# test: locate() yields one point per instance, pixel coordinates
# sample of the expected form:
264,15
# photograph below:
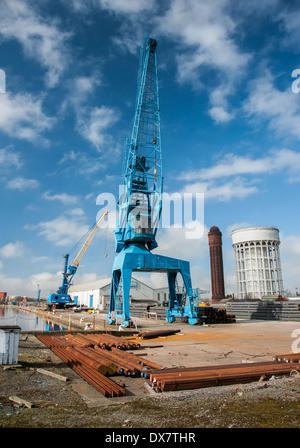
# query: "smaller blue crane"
62,299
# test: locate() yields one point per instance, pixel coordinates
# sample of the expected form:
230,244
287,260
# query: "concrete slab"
199,345
242,342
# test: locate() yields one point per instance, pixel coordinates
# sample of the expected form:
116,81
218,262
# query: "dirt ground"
75,404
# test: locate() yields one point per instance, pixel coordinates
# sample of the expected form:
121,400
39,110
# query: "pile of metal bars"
208,376
95,360
89,368
103,340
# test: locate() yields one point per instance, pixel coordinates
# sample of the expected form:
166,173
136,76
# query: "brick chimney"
216,264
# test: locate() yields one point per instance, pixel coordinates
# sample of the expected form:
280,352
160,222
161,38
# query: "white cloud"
219,103
39,259
290,20
220,115
129,41
213,181
208,28
121,6
62,197
48,282
69,156
94,125
9,158
22,117
235,226
76,212
281,160
19,183
40,38
237,188
13,250
65,230
280,108
205,33
173,242
291,244
80,89
83,164
116,6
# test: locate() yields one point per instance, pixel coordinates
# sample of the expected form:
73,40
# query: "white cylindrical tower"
257,259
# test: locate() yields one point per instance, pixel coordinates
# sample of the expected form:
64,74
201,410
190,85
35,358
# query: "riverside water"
26,320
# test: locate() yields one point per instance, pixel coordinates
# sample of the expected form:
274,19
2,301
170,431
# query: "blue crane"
140,205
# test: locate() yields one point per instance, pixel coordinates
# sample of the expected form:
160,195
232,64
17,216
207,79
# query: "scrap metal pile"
96,357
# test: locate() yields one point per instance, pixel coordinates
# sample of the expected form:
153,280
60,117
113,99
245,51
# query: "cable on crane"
84,236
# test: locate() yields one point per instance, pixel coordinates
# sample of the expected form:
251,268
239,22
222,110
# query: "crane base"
137,258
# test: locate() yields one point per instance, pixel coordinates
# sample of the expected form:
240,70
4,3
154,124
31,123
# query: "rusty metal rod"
120,361
86,359
139,360
111,367
156,333
104,381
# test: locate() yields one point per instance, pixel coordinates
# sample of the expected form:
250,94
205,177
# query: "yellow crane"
61,298
87,242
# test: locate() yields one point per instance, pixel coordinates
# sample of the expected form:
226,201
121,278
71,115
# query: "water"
26,320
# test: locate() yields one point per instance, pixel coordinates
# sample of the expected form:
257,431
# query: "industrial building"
97,294
257,259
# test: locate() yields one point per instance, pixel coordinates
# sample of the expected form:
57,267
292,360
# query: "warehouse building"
96,294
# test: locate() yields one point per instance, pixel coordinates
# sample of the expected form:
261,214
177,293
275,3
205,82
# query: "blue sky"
229,123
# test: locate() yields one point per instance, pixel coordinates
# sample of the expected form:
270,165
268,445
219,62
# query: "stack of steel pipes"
89,366
199,377
290,357
127,363
93,363
104,340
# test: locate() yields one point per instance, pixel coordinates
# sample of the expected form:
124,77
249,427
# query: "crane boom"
88,241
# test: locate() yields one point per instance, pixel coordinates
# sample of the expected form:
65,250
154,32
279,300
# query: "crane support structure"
140,206
62,298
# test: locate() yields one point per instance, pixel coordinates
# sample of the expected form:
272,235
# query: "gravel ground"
74,404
